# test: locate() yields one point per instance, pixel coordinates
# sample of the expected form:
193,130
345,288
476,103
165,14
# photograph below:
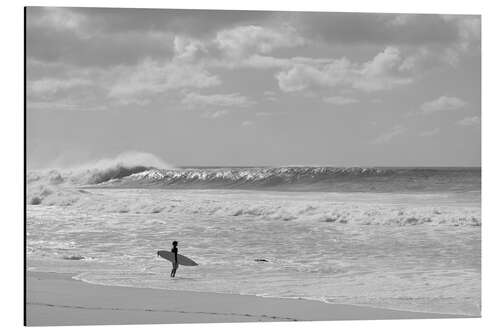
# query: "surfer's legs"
174,269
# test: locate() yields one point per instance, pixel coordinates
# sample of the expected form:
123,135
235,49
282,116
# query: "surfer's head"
174,243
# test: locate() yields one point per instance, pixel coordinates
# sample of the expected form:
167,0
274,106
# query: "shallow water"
413,251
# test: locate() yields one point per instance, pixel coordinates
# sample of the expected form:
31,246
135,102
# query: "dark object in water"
35,201
263,260
74,258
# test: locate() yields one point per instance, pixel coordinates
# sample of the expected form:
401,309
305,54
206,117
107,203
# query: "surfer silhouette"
175,264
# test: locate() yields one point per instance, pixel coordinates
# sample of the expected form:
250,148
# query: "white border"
11,200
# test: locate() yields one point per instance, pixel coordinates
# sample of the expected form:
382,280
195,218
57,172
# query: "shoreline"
58,299
444,314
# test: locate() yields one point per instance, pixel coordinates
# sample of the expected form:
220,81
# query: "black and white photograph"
224,166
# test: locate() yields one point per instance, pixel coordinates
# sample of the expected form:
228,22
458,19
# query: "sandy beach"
57,299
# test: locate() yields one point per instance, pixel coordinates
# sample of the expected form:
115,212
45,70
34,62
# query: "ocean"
398,238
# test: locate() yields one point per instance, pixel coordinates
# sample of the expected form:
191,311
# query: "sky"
243,88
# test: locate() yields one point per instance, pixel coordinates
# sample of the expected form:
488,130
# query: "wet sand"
57,299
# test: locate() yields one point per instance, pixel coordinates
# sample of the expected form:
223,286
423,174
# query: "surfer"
175,258
175,264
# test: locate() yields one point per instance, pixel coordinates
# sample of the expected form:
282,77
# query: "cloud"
252,39
375,29
468,29
400,20
66,104
302,76
57,18
199,101
68,89
215,114
469,121
429,40
143,54
153,77
117,85
430,133
73,37
443,103
189,49
335,28
127,36
395,131
122,36
383,72
266,62
247,123
386,61
196,23
50,86
340,100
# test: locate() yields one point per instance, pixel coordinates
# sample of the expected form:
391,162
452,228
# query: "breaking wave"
333,179
141,170
65,182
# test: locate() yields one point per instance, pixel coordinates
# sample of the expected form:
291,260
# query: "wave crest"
354,179
62,182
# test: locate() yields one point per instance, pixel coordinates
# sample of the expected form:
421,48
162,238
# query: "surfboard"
182,260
